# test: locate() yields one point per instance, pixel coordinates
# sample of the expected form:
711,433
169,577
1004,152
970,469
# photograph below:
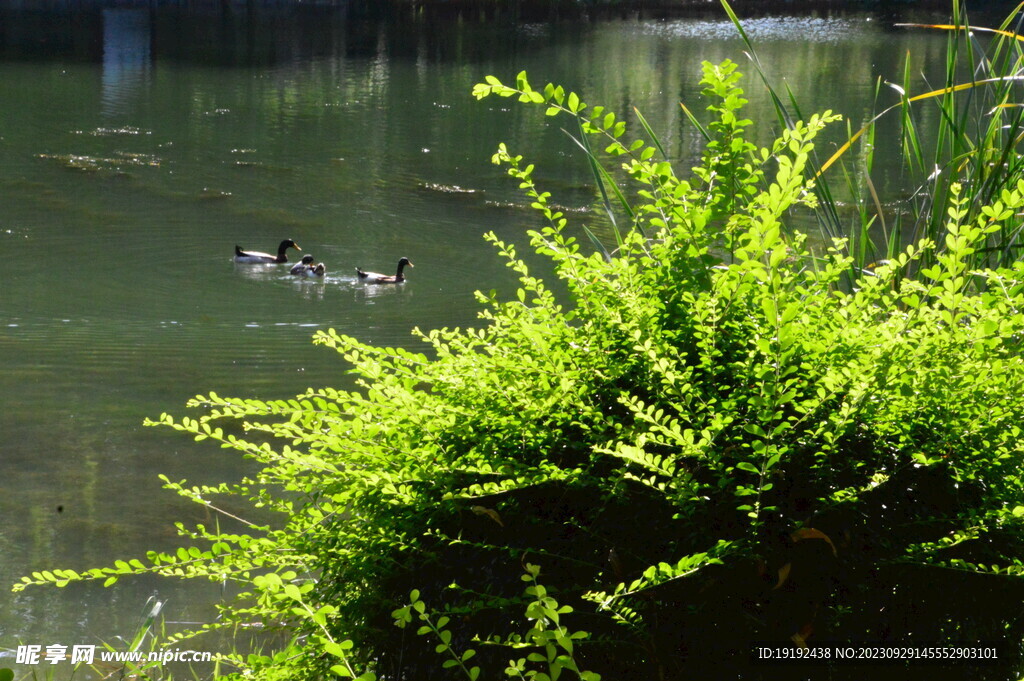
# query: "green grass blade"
693,119
650,133
599,179
780,110
604,180
598,243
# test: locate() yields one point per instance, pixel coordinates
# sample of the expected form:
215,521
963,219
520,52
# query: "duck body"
306,268
377,278
258,257
316,271
300,267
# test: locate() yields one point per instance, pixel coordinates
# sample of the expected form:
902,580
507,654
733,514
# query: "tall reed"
971,156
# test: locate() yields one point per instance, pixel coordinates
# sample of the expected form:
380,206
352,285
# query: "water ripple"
762,29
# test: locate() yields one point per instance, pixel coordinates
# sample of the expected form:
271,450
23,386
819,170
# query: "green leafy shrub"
713,438
553,644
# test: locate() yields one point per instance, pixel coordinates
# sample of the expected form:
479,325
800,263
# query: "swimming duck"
375,278
303,265
258,257
317,270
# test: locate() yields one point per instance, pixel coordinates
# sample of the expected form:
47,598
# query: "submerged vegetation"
716,436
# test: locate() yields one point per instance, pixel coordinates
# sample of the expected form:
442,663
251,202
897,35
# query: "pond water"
138,147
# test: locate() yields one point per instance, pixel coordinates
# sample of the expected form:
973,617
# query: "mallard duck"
375,278
258,257
303,265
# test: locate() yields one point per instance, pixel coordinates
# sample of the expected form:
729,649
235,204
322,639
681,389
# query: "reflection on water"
765,29
139,146
126,56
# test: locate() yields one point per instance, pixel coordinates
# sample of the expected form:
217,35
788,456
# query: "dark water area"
269,32
139,145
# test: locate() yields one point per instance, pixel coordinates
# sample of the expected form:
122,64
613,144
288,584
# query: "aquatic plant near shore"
970,158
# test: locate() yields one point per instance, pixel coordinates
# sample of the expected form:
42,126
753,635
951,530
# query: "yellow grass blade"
951,27
916,98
